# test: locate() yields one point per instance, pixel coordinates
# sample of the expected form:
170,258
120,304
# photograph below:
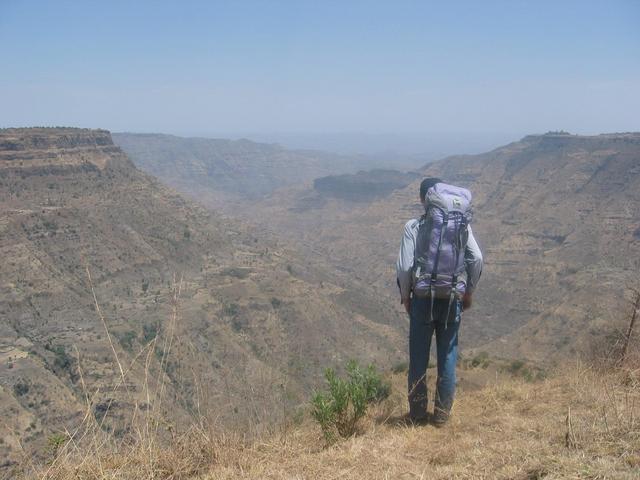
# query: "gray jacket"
404,265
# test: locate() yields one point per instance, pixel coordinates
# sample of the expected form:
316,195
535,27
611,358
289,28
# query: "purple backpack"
439,268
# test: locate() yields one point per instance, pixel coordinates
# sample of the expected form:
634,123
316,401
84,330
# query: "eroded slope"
252,326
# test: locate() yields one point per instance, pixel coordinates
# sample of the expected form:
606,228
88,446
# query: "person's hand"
467,300
407,304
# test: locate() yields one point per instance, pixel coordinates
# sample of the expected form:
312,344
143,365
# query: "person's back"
438,268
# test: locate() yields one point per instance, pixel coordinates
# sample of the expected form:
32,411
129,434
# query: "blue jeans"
420,332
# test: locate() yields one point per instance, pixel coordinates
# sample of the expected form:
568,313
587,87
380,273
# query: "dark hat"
426,184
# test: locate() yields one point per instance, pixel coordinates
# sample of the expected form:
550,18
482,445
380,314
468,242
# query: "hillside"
191,304
220,172
556,215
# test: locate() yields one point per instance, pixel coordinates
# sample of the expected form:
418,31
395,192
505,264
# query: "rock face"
48,150
251,329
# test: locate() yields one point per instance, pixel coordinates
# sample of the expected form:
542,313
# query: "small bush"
516,366
50,225
56,441
239,323
236,272
529,373
149,332
230,309
21,388
62,360
339,409
480,360
276,302
126,339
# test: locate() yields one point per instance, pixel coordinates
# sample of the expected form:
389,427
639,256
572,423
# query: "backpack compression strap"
454,280
434,272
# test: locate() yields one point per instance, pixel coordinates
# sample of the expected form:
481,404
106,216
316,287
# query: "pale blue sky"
267,67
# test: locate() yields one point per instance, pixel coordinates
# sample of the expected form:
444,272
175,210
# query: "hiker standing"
438,268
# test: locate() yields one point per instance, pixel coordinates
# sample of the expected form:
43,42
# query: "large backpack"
439,270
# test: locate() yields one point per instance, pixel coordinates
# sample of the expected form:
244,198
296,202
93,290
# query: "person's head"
425,185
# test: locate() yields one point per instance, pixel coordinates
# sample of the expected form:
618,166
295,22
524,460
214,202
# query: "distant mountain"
558,218
220,172
252,329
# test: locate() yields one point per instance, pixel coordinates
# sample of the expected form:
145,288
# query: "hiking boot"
418,411
440,417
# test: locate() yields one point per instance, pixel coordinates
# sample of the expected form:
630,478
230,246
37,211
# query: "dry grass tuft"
187,456
580,423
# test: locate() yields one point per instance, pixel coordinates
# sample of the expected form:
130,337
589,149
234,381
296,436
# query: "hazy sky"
196,67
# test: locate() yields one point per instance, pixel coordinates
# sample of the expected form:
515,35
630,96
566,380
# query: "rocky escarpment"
21,139
42,151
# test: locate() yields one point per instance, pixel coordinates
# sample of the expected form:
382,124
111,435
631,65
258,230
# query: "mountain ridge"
223,173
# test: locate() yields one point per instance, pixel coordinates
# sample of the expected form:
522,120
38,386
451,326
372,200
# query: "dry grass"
508,430
581,423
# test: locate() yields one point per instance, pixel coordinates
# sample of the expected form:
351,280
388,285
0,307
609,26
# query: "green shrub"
529,373
230,309
480,360
50,225
149,332
126,339
21,387
239,323
62,360
236,272
339,409
276,302
55,441
516,366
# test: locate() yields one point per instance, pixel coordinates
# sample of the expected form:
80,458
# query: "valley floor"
580,424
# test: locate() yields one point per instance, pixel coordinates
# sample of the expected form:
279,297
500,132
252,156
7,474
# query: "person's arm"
473,263
404,265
